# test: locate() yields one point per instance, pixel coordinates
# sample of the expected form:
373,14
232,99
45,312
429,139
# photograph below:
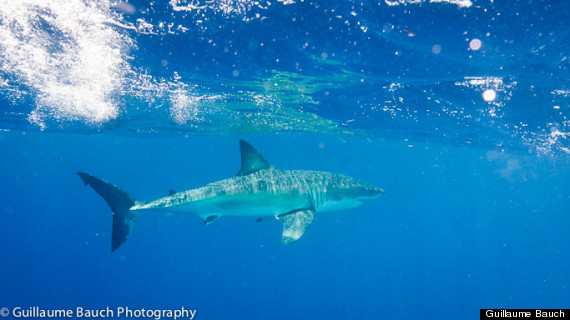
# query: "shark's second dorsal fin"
251,160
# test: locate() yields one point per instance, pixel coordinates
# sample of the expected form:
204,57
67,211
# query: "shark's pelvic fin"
120,203
251,160
295,225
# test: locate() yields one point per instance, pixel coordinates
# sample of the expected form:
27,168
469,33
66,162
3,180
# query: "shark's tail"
120,203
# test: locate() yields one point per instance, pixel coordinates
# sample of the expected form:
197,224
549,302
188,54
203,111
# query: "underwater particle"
436,49
475,44
164,63
387,28
235,73
324,55
556,107
410,33
489,95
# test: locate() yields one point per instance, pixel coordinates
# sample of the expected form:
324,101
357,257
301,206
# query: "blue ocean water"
457,108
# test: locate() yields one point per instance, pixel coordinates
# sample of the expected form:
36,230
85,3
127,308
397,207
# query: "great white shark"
258,190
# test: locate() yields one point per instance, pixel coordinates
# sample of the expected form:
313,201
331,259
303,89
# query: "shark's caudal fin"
120,203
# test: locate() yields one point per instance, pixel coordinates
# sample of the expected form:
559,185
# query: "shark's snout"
367,191
375,192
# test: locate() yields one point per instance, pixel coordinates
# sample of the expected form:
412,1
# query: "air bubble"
475,44
489,95
436,49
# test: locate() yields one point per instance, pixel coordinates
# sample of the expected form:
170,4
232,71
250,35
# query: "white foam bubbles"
459,3
187,107
243,9
126,7
184,107
67,54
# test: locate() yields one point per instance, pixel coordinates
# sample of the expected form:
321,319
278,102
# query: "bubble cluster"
73,66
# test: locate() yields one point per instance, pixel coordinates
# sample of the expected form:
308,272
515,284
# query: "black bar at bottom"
525,314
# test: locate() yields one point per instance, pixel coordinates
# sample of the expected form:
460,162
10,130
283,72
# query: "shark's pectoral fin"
295,225
209,218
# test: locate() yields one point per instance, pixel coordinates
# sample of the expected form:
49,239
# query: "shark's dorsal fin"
295,224
251,160
171,192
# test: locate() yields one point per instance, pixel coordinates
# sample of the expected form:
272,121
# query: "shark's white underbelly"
244,205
